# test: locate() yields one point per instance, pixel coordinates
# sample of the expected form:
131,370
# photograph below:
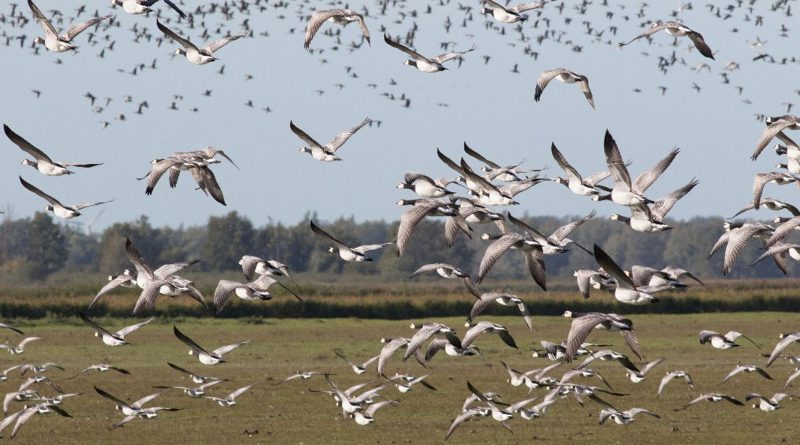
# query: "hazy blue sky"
488,106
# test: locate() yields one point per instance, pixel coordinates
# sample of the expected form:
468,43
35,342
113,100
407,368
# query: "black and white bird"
198,56
676,29
345,252
422,63
327,152
55,207
42,162
60,43
206,357
565,76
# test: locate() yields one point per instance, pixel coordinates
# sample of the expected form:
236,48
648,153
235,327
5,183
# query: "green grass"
289,413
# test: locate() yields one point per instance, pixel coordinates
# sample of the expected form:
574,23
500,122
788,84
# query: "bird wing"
736,241
188,341
409,221
534,260
370,411
342,137
522,7
222,350
479,157
587,92
496,250
78,28
26,146
648,177
442,58
327,236
735,371
249,264
157,170
22,418
303,135
369,247
108,287
149,296
211,47
139,403
238,392
579,331
652,30
85,205
171,34
176,8
94,325
612,268
781,345
544,79
168,270
769,132
700,44
110,397
661,207
615,162
564,231
53,202
784,229
316,21
42,20
405,49
633,343
208,181
564,164
132,328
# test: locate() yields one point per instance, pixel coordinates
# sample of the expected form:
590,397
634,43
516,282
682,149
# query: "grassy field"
289,413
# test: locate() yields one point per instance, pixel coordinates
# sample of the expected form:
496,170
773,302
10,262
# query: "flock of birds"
468,199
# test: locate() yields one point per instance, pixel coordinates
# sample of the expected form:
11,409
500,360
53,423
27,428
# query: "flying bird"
340,17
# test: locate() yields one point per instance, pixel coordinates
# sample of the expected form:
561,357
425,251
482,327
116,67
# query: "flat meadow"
275,411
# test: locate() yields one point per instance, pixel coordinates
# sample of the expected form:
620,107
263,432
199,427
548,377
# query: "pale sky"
488,106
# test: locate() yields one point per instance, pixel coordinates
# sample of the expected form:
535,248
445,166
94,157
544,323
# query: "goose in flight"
27,412
574,181
623,417
775,127
467,414
358,368
327,152
735,238
113,338
493,170
55,207
102,367
626,292
197,166
340,17
20,348
196,378
422,63
504,299
420,209
762,179
713,398
425,332
638,377
128,409
746,368
42,162
230,399
566,76
345,252
195,392
137,7
609,355
425,186
253,265
726,341
650,219
772,204
676,29
509,15
765,404
675,374
588,279
198,56
367,416
59,43
489,328
626,192
584,323
258,289
206,357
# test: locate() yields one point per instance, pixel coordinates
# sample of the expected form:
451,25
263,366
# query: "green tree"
46,251
229,237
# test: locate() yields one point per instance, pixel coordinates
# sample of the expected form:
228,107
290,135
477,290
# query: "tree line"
33,248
